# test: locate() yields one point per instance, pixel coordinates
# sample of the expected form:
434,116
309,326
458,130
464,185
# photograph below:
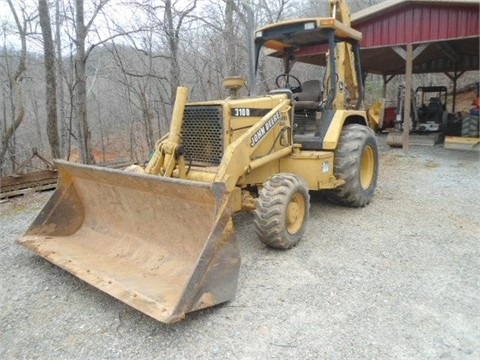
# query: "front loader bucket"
163,246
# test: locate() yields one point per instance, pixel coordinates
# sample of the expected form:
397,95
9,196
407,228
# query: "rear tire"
282,210
470,126
355,162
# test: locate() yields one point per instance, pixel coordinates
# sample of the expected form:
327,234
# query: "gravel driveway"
398,279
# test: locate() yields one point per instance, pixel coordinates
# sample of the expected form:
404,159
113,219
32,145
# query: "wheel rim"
295,213
367,167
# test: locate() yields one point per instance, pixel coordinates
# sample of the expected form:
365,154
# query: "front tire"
355,162
282,210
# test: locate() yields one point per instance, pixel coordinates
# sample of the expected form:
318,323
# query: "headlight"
309,26
259,34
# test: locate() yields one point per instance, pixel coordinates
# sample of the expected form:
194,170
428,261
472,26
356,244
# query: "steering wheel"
283,81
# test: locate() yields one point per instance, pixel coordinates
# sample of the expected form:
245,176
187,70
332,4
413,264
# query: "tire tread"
270,211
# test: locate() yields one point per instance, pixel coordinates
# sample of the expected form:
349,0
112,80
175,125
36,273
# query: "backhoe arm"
349,90
339,10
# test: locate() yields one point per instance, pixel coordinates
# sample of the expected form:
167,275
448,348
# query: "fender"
333,124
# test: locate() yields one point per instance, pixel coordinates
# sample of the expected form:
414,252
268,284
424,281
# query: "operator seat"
310,97
434,107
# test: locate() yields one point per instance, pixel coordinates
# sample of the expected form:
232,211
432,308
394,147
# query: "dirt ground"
398,279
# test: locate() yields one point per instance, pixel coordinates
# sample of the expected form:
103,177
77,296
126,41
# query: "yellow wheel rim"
367,167
295,213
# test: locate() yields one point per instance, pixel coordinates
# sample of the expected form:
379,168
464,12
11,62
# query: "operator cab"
307,99
314,41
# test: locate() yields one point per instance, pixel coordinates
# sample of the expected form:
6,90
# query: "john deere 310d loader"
161,239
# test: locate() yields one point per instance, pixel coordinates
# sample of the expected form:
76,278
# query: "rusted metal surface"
163,246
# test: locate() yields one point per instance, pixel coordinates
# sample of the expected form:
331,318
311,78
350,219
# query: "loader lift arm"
168,153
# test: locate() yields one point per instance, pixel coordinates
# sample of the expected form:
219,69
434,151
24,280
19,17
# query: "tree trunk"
64,132
50,79
172,38
38,143
147,116
230,40
81,85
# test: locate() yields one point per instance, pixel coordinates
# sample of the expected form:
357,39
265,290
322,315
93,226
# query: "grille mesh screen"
202,134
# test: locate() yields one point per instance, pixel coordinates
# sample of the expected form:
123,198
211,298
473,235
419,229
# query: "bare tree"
15,81
50,78
221,45
81,56
171,16
173,21
82,53
59,77
273,11
138,85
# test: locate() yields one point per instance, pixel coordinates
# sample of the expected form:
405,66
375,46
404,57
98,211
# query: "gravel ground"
398,279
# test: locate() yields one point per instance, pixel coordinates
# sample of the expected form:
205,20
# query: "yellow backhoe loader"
161,238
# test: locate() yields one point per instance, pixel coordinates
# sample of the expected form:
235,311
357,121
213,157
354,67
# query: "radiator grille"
202,134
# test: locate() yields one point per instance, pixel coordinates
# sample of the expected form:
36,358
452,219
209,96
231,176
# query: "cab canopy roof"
285,37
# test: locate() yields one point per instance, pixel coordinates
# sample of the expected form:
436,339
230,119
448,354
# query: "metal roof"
419,23
389,5
448,29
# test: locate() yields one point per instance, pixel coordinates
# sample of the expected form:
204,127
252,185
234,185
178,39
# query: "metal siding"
472,22
406,35
453,23
400,25
425,23
436,29
392,33
445,18
416,28
462,18
410,25
391,5
420,24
